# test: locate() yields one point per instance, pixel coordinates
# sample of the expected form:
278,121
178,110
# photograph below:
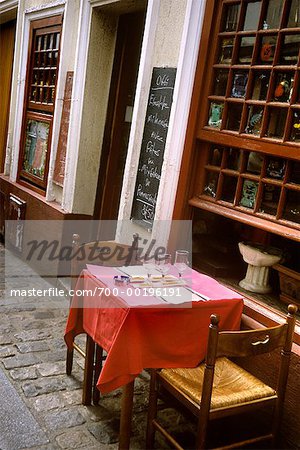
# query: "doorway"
118,119
7,40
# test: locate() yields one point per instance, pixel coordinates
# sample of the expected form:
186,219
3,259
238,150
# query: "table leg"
126,415
88,371
97,371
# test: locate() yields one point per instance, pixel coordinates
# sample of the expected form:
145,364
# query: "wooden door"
7,39
118,121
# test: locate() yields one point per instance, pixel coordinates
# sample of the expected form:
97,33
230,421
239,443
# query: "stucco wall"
67,63
32,4
99,68
169,33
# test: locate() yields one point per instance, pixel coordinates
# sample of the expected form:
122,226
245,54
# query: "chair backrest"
249,343
102,253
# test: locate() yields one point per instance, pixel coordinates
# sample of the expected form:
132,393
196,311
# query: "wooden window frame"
39,111
206,134
190,180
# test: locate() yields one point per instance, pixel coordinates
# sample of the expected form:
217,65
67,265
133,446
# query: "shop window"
254,182
40,90
249,118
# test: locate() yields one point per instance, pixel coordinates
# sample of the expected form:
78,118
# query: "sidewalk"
40,406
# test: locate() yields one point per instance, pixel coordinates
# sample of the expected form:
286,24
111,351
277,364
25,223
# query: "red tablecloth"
161,336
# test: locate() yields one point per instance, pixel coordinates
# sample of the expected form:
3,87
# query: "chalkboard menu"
153,145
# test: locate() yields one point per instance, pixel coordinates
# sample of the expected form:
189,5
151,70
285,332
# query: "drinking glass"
163,263
181,261
149,266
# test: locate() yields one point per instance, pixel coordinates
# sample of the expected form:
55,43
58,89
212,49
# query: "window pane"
295,133
234,115
295,173
249,193
255,162
215,156
267,50
36,60
273,16
239,84
34,161
290,49
252,16
246,50
215,114
225,51
292,208
233,159
230,19
52,79
294,15
276,123
255,116
284,82
43,78
270,199
229,188
260,85
275,168
220,84
211,184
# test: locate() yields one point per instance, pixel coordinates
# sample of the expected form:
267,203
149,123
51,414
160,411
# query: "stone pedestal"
259,261
256,280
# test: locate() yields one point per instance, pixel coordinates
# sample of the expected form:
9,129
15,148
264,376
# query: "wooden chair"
101,253
219,387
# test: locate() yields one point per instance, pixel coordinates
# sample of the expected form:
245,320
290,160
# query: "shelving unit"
247,154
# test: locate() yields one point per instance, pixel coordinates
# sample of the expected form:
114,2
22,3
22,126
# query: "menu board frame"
153,145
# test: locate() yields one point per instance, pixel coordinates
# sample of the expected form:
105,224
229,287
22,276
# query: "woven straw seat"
232,384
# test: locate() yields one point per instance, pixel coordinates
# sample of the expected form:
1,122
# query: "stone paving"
32,360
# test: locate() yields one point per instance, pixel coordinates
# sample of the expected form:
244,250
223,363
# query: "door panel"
7,39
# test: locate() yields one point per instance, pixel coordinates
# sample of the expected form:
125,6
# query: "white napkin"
134,271
179,295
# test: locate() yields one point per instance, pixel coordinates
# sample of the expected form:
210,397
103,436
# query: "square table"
144,331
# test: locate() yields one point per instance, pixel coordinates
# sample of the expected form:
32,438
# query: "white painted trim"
21,77
80,67
8,5
46,7
27,18
179,117
63,64
96,3
139,113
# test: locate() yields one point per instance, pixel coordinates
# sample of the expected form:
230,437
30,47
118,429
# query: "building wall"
176,26
28,11
99,69
87,47
166,37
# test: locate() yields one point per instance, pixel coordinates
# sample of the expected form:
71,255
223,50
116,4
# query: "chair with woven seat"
219,387
101,253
